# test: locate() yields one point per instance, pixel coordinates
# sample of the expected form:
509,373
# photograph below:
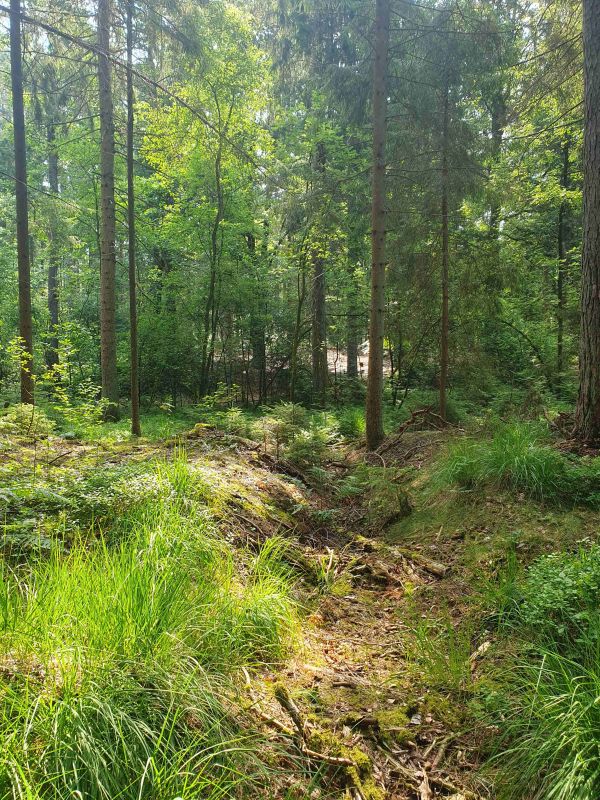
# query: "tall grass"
549,720
116,658
519,458
550,747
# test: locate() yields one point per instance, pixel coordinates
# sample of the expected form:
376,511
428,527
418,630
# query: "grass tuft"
118,656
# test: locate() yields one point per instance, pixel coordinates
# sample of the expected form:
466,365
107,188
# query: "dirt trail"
354,680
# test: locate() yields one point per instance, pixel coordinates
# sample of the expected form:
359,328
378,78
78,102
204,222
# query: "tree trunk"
562,264
319,330
320,371
445,255
374,406
296,337
257,322
133,333
352,347
53,252
587,416
22,212
210,309
498,121
108,336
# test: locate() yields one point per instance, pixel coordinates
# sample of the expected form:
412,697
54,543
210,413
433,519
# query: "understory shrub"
561,596
381,489
26,420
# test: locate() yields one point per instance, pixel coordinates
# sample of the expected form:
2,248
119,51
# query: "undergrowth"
546,701
119,653
519,458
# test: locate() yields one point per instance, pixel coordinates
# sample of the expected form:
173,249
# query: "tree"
587,415
133,332
50,85
445,248
374,407
22,213
108,336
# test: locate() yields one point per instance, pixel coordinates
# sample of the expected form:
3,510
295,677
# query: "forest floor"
381,693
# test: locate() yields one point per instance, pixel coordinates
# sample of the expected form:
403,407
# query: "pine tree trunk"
133,332
108,336
53,252
352,347
498,121
587,416
319,331
22,212
562,245
320,370
445,256
374,406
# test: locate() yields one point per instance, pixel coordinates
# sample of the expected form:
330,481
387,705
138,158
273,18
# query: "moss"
394,725
361,775
341,586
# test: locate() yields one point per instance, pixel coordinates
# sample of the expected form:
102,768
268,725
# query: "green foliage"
549,717
25,421
560,596
117,655
549,728
501,593
382,491
438,653
351,422
518,458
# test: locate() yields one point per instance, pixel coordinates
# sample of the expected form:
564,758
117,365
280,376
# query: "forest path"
356,677
356,681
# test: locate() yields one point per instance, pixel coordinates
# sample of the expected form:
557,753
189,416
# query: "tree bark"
133,332
21,202
53,252
352,348
563,248
319,330
498,121
374,405
210,309
320,371
587,415
108,336
445,254
257,320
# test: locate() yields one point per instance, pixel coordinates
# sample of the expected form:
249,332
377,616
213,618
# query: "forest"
299,399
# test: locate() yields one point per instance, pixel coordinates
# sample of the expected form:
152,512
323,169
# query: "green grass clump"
519,458
550,744
117,657
516,458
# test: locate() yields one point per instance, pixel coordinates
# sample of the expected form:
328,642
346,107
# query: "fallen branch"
424,788
59,456
285,700
420,412
434,567
299,735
